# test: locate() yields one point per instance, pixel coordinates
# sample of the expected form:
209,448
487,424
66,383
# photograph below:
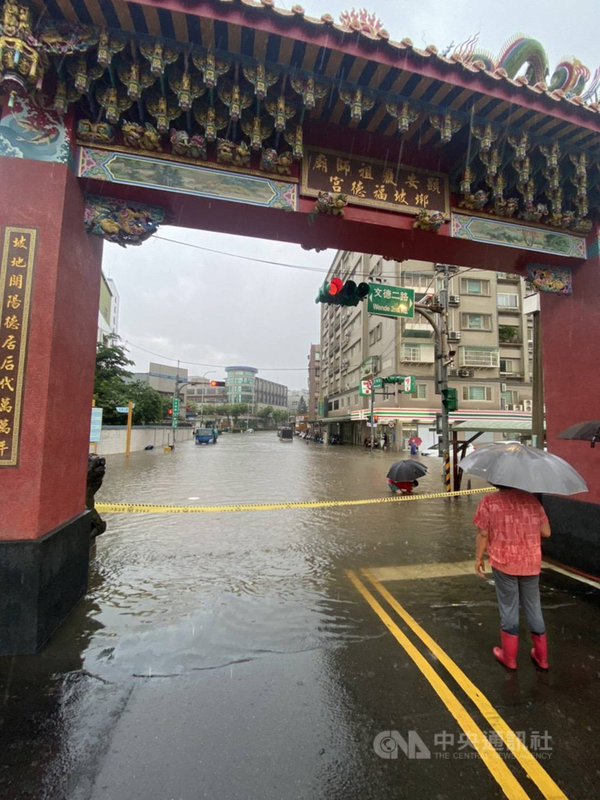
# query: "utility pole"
372,409
443,357
443,361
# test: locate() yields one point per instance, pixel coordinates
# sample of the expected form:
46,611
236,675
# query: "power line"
245,258
216,366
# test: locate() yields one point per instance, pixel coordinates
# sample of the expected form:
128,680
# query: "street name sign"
123,409
96,424
390,301
377,383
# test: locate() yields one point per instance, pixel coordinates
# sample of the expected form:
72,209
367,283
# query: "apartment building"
314,381
487,332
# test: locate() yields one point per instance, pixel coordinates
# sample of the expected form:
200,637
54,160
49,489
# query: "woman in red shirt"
511,524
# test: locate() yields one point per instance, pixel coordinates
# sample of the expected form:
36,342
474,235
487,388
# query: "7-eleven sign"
366,387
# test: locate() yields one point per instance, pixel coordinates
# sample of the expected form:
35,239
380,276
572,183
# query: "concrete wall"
112,439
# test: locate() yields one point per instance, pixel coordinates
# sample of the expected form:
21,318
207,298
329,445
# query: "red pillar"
570,337
44,529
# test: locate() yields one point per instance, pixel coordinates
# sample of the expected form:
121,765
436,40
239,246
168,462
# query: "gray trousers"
510,589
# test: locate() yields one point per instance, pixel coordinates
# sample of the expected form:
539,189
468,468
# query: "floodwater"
189,591
227,655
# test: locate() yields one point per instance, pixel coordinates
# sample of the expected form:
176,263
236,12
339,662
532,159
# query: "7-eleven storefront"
401,423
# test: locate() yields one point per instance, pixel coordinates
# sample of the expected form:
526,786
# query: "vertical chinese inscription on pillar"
16,274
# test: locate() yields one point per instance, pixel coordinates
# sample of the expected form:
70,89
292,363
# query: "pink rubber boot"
539,652
507,654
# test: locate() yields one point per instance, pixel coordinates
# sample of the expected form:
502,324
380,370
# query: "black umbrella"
587,431
406,470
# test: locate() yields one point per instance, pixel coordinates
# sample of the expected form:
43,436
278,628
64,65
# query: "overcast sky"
210,310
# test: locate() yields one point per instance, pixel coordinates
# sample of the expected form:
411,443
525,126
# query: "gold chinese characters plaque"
16,276
368,182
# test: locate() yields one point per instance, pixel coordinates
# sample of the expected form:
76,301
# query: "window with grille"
478,357
417,353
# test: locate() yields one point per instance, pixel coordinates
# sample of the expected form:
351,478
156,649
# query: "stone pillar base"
41,579
574,525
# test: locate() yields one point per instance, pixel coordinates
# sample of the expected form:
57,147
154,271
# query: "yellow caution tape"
148,508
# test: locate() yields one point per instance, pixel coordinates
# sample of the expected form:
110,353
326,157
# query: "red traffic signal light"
217,383
170,412
338,293
329,290
335,286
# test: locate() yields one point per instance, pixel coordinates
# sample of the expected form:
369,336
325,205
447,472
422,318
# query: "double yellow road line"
490,757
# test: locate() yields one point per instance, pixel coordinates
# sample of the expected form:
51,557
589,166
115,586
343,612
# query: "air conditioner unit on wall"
453,300
453,336
527,405
452,373
466,373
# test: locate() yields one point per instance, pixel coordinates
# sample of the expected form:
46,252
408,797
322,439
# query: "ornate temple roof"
456,113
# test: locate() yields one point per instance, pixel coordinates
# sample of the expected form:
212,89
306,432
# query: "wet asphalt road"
229,655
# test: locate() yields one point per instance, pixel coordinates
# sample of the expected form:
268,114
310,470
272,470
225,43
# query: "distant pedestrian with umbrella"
414,443
510,526
402,475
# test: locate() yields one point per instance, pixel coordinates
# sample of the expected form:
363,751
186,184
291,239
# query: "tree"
111,362
302,407
281,415
112,389
148,403
236,410
265,414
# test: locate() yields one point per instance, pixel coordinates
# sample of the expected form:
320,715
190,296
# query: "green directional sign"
407,381
175,405
377,383
390,301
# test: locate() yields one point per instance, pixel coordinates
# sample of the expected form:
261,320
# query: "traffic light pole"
442,358
372,405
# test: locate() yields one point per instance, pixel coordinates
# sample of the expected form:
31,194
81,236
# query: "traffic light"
217,383
170,412
329,291
337,293
450,399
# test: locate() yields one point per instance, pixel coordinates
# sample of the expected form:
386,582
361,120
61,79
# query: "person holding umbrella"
402,475
510,526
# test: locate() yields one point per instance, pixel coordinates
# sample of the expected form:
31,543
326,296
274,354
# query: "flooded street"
231,655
